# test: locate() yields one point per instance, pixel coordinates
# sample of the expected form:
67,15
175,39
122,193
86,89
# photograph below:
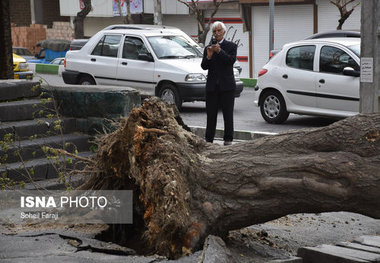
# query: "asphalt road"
247,117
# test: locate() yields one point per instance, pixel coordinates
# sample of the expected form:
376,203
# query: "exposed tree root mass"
186,189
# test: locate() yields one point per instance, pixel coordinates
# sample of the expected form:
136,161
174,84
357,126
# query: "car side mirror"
348,71
146,57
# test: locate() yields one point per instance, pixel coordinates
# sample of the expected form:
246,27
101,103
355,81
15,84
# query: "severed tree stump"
186,189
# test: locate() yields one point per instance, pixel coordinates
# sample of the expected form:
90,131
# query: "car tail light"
64,63
262,72
270,54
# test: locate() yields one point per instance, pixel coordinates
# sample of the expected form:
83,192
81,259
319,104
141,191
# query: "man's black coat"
220,67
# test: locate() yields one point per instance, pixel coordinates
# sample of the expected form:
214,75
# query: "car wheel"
169,94
86,80
273,107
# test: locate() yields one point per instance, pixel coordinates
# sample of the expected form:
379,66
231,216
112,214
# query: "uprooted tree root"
150,154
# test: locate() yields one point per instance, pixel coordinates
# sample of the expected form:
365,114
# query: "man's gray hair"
217,23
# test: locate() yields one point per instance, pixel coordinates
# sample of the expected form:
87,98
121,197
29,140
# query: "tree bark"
157,13
79,19
127,19
188,189
6,58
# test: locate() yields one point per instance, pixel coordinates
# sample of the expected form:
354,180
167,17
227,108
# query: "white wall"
100,8
103,8
170,7
92,25
187,23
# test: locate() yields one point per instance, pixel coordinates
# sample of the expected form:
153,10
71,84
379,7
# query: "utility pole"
157,13
32,12
370,57
271,25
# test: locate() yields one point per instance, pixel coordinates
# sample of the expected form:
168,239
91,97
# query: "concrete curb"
238,135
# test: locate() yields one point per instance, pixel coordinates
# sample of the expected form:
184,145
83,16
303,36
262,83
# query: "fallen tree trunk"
188,189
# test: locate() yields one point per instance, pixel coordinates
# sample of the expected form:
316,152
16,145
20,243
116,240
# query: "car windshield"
171,47
355,49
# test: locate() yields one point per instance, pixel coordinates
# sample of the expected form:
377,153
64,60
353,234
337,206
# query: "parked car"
327,34
58,61
77,44
20,68
23,52
312,77
161,62
334,34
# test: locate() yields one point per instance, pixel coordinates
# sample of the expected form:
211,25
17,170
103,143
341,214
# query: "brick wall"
60,30
28,36
53,25
25,36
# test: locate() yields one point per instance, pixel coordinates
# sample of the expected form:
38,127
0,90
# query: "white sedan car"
311,77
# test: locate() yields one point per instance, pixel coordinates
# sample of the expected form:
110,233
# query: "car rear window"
301,57
107,46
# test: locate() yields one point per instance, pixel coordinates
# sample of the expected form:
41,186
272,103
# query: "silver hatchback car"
311,77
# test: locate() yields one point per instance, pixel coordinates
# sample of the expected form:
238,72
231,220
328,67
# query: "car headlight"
195,77
23,66
236,73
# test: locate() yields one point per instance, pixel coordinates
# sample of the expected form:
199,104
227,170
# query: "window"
107,46
334,60
172,47
301,57
133,47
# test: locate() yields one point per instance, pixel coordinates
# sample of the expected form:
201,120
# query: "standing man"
219,58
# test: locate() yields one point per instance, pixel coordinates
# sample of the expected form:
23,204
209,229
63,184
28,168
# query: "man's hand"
217,48
211,49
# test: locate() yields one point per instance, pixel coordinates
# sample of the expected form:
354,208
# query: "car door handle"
322,81
124,63
285,76
93,59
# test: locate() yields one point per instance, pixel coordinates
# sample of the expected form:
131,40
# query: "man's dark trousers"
224,100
